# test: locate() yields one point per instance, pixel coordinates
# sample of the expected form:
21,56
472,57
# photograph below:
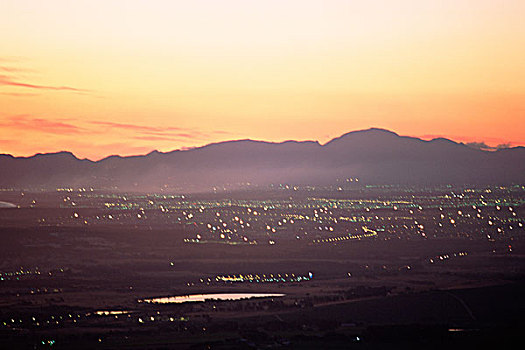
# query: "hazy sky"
106,77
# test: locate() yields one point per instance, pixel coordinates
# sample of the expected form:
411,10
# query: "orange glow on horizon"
127,77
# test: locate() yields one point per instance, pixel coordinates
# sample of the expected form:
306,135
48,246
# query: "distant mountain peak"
444,140
371,132
60,154
378,130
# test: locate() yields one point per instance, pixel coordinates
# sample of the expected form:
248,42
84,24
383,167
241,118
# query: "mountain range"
375,156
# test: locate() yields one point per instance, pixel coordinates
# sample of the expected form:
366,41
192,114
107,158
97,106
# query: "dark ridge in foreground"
375,156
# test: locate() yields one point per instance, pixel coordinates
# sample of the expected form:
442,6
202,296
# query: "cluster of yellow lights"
355,218
444,257
110,312
264,278
345,238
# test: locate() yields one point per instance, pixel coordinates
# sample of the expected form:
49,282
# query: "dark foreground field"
460,318
70,286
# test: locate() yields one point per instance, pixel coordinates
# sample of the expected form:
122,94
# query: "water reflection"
203,297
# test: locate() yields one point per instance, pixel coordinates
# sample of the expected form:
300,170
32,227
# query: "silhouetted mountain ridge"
373,155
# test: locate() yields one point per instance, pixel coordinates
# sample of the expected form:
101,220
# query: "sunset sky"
127,77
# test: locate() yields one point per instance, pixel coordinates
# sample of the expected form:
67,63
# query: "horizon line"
479,145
